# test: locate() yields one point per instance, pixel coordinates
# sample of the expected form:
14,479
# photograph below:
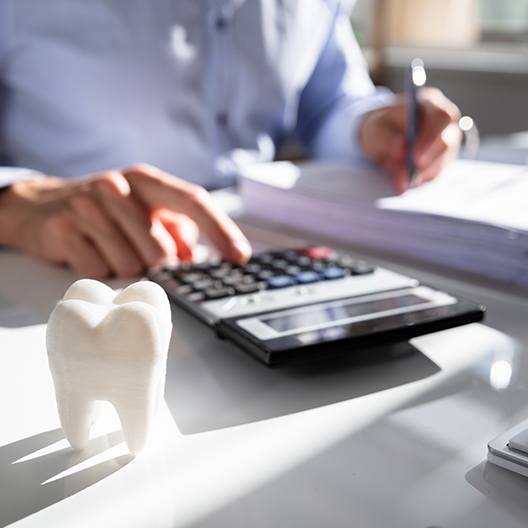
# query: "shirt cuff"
8,175
338,139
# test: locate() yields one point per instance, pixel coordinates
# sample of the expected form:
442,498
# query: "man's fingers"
432,171
68,245
157,189
437,148
92,221
400,178
183,230
437,112
132,218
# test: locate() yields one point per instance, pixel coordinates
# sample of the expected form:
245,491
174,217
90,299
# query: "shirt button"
222,119
221,23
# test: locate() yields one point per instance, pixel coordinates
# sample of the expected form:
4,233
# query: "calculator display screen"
335,312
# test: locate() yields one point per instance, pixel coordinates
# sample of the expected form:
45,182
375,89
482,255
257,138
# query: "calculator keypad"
265,271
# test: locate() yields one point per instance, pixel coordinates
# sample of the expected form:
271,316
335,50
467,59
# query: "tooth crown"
103,346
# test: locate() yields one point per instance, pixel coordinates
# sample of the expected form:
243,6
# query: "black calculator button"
263,258
205,266
252,268
265,274
280,264
292,270
290,254
318,266
304,261
334,272
162,276
196,297
248,288
281,281
362,268
220,272
233,279
202,284
183,289
191,277
306,277
345,261
219,293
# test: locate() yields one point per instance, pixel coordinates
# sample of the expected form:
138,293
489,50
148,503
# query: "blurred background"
475,51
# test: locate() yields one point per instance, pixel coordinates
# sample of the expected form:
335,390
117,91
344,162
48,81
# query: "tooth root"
76,416
135,422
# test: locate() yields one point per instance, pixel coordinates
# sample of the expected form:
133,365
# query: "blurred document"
472,217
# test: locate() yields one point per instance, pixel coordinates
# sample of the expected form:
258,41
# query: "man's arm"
337,96
343,117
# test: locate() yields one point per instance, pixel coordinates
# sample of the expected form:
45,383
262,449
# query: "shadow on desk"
212,384
506,488
29,485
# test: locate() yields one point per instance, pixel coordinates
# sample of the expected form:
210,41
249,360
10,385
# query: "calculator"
296,304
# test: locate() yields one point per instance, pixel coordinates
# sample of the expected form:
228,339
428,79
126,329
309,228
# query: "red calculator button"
318,252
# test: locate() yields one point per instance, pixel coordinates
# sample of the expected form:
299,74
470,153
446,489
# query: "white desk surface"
399,442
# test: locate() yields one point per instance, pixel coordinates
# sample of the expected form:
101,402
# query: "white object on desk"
472,217
107,346
510,449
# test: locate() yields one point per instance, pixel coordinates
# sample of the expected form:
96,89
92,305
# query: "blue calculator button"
280,281
334,273
305,277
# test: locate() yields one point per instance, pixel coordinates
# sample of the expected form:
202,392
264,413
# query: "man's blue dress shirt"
192,86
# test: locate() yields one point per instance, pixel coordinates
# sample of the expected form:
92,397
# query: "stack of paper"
474,216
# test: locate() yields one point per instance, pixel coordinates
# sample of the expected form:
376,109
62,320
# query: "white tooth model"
104,345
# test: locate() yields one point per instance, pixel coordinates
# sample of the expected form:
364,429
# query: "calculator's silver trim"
256,327
271,300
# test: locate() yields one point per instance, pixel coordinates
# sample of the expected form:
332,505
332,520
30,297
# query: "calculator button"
290,254
162,275
202,284
293,270
362,268
252,268
218,293
183,289
305,277
318,252
281,281
196,297
265,274
345,261
247,288
280,264
206,266
190,277
234,278
263,258
221,272
304,261
318,265
333,272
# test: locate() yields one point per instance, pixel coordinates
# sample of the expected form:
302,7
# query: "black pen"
414,78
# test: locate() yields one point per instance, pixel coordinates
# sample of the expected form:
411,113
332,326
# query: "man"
189,88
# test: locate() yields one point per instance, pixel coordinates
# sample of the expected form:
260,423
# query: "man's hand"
117,222
382,137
